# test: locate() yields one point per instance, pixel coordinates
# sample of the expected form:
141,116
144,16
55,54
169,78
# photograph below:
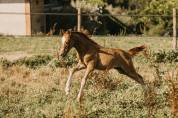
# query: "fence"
79,15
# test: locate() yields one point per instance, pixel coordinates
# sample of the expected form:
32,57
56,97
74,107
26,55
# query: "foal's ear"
69,31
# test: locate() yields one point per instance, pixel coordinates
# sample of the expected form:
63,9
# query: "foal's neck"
83,45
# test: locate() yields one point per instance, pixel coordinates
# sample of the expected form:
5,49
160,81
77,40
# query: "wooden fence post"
79,19
174,41
28,18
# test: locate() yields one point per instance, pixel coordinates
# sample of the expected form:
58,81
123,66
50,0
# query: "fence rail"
84,14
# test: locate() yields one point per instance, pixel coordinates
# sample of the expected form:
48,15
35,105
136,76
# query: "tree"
149,20
158,25
88,5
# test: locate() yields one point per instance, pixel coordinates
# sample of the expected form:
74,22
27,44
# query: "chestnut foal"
93,56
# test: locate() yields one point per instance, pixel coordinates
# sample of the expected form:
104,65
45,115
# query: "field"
39,92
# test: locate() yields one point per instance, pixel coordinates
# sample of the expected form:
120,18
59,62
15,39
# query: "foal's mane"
87,38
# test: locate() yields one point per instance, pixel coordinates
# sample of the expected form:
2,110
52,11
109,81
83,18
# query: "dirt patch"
12,56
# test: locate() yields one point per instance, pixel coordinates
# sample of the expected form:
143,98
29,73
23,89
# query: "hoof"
67,91
78,99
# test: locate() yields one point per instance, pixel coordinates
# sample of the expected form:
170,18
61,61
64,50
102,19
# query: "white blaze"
63,40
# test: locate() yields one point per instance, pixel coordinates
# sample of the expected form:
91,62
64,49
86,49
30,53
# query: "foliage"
47,60
154,24
34,61
159,23
37,61
155,7
98,2
5,63
38,90
40,93
163,56
89,5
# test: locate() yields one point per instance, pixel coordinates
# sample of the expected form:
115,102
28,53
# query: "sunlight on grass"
31,87
49,45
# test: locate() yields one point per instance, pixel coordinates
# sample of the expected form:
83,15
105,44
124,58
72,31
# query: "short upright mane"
87,38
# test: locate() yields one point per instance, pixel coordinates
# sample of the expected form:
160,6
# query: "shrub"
41,60
157,30
34,61
47,60
163,56
5,63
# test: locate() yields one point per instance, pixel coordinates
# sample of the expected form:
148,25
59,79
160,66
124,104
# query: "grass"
29,45
49,45
39,93
26,92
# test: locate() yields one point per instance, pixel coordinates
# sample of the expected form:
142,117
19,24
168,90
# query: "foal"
93,56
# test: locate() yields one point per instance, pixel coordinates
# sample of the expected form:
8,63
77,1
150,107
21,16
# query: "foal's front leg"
90,68
71,72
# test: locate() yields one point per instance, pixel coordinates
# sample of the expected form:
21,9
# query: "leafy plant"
34,61
37,61
5,63
163,56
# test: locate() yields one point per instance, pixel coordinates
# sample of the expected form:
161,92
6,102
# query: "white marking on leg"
71,72
81,88
90,68
67,89
82,85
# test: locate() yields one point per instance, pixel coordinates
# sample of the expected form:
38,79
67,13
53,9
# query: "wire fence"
84,14
78,16
43,16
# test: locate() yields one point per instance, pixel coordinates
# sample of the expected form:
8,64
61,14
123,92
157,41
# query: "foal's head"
67,43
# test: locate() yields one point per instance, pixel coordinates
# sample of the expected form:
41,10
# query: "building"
16,17
25,17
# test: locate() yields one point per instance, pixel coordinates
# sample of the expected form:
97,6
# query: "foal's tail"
136,50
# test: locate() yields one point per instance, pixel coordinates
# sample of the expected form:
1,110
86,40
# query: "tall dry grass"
26,92
39,91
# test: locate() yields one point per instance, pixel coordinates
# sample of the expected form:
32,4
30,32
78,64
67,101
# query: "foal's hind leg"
138,78
132,74
129,70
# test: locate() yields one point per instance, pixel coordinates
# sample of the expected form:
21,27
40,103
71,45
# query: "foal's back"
110,57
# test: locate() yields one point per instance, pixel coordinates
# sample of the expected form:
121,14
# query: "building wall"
12,24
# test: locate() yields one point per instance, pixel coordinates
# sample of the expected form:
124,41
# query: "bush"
41,60
67,61
163,56
47,60
5,63
156,30
34,61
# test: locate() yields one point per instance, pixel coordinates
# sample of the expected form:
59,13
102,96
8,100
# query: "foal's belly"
105,61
